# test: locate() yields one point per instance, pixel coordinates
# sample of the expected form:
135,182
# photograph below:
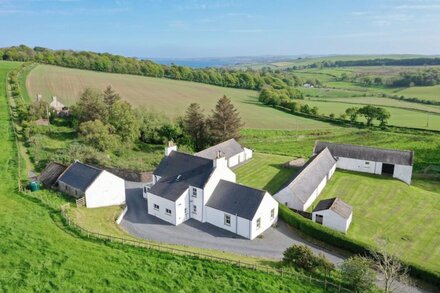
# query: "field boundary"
135,243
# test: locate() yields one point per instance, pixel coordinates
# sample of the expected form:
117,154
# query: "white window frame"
194,209
258,223
168,212
227,220
272,214
156,207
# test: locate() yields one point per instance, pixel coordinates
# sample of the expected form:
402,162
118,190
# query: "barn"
234,153
302,190
99,187
333,213
394,163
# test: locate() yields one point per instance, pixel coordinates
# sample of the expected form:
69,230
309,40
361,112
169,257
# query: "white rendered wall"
333,221
315,194
163,205
235,160
285,196
264,213
403,173
248,153
238,225
359,165
196,201
181,204
106,190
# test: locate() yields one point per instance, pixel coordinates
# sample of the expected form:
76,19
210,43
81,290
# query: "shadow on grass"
280,178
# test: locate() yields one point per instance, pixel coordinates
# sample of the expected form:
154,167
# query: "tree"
110,96
225,121
90,107
356,272
124,121
383,115
194,124
352,113
394,273
97,134
300,256
149,124
369,112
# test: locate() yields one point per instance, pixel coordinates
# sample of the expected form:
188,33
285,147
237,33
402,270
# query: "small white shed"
99,187
234,153
333,213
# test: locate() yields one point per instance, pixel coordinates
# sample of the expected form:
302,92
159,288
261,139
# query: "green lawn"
384,209
37,254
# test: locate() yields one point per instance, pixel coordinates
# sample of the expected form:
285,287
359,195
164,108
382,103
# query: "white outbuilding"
395,163
334,214
234,153
98,187
301,191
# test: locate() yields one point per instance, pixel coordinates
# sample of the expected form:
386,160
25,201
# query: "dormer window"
194,192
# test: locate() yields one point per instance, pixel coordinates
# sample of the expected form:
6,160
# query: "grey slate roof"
367,153
80,176
335,204
178,171
227,148
310,175
236,199
50,174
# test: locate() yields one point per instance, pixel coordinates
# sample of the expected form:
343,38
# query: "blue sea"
196,63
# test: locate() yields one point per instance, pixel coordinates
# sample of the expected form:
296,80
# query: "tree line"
105,62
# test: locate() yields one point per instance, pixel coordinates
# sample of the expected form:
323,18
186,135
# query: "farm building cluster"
203,186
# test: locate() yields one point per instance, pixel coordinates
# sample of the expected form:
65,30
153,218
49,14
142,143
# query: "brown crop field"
164,95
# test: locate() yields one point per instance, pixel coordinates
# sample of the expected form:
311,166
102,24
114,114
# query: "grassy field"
422,92
38,254
384,209
164,95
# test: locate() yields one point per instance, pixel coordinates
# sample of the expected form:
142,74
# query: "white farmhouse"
333,213
234,153
302,190
191,187
395,163
99,187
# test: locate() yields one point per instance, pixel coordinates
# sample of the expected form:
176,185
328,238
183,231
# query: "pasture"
422,92
171,97
38,254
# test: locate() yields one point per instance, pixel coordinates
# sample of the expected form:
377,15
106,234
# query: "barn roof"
80,176
236,199
307,179
366,153
335,204
227,148
178,171
50,174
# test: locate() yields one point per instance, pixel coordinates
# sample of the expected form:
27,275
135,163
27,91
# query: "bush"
356,272
300,256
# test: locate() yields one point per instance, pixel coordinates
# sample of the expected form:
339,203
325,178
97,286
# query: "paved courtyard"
194,233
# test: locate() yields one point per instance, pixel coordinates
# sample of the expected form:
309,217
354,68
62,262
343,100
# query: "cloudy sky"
219,28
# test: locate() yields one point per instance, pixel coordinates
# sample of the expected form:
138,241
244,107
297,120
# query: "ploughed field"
171,97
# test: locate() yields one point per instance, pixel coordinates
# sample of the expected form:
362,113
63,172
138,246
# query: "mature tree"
225,121
38,109
314,110
110,97
97,134
170,132
352,113
356,272
394,273
299,256
383,115
150,124
369,112
194,124
124,121
90,106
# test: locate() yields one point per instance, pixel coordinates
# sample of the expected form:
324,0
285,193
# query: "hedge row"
341,241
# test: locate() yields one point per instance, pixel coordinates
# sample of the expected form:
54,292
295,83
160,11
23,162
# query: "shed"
234,153
48,177
333,213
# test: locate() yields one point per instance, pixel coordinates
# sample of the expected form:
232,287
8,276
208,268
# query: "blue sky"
219,28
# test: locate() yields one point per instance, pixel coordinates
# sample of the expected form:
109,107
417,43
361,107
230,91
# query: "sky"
224,28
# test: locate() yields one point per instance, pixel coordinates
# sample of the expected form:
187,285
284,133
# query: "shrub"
356,272
300,256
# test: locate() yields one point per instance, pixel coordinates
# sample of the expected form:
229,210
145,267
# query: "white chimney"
170,147
220,160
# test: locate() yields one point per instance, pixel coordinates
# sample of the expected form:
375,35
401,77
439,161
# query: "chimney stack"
220,160
170,147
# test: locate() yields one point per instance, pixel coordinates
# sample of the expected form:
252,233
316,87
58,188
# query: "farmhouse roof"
307,179
227,148
178,171
367,153
335,204
236,199
80,176
50,174
57,105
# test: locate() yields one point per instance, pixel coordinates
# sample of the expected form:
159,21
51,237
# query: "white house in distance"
191,187
302,190
395,163
234,153
333,213
99,187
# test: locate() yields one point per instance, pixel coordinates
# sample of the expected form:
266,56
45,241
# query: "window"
194,209
168,211
258,223
145,189
156,207
272,214
367,163
227,220
194,192
319,219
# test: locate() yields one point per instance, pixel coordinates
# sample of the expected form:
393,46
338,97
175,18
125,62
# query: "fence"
265,269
